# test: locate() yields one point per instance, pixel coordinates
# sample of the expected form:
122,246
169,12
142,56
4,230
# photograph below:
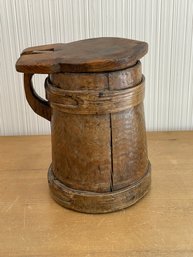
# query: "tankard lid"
89,55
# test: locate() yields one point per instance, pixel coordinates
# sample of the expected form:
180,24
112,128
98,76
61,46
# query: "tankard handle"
38,104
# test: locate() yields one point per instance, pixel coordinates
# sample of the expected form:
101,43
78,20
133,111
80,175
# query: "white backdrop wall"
167,25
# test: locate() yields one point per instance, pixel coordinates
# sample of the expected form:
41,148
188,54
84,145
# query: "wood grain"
81,154
76,81
129,148
88,202
130,159
89,55
97,81
96,146
97,120
94,102
33,224
38,104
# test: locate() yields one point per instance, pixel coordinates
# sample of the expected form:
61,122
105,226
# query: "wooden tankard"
94,91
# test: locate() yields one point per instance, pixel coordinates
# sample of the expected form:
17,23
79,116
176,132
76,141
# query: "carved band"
94,102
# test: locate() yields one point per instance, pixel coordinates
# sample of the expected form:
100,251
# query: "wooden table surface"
32,224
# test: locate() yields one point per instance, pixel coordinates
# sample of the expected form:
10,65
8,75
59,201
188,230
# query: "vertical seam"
111,144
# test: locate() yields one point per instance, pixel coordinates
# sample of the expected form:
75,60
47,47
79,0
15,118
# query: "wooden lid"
90,55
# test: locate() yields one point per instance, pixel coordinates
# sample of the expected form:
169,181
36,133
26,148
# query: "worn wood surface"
97,120
92,202
38,104
129,148
90,55
98,140
80,141
81,154
33,224
94,101
98,81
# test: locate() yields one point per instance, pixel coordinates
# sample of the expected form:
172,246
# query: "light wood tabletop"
32,224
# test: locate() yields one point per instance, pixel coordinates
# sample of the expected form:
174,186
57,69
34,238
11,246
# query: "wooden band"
94,102
91,202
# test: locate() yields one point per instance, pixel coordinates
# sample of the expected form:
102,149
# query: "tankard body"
95,106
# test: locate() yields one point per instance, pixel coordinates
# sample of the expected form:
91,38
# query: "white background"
167,25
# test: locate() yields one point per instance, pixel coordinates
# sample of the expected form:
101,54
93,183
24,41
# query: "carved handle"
38,104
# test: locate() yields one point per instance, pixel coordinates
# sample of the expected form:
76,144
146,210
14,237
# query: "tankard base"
91,202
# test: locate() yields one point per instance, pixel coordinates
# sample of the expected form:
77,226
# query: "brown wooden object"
95,92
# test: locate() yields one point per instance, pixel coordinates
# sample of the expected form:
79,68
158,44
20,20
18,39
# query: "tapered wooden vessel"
95,92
